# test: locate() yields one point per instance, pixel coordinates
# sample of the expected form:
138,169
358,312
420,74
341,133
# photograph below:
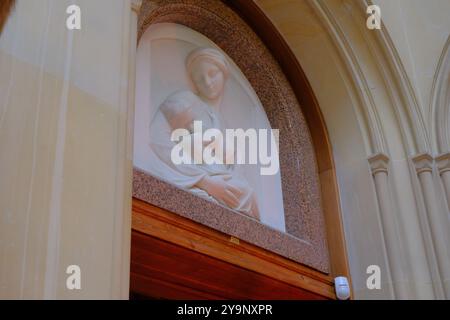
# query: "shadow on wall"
5,8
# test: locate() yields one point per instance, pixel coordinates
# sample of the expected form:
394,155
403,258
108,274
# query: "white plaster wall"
65,154
369,109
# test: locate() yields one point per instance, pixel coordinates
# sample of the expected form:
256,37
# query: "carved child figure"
221,183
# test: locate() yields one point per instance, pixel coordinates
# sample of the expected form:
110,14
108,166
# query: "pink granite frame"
305,240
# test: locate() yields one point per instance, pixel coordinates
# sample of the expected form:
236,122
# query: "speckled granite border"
299,173
167,196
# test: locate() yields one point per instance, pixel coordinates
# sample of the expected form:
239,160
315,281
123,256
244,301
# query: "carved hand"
222,191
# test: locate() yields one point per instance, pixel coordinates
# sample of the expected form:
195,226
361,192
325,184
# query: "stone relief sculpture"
208,70
183,77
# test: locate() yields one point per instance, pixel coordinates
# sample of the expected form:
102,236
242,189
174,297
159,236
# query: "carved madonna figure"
208,70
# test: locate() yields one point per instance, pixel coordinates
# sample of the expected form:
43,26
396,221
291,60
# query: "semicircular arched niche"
304,240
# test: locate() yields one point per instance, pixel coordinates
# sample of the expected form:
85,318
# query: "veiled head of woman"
208,70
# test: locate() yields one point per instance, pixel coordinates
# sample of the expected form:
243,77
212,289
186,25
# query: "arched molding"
398,107
403,96
396,82
369,120
390,123
440,103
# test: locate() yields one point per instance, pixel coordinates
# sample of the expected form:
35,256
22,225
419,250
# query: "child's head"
179,111
183,108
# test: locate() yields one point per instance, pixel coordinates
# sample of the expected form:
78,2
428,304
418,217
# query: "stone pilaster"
436,218
443,164
379,165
